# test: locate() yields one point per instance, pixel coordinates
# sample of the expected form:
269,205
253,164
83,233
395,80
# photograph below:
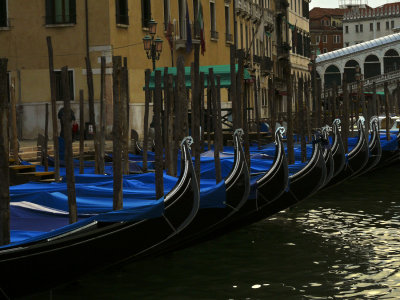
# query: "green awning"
224,71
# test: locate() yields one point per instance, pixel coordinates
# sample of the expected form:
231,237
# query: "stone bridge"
375,60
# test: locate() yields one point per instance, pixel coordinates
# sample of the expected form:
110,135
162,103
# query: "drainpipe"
234,24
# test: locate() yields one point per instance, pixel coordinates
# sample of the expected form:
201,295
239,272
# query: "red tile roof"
319,12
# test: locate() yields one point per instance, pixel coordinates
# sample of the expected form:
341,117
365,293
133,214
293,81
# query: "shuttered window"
146,13
121,9
60,11
3,13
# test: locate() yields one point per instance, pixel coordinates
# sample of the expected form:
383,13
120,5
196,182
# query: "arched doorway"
332,75
391,61
372,66
350,70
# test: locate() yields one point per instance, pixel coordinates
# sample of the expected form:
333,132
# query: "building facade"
361,24
326,28
114,27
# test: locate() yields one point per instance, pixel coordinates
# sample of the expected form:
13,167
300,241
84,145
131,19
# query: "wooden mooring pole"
4,157
213,103
289,109
69,163
13,118
102,127
82,133
387,111
54,110
146,117
158,136
345,121
117,134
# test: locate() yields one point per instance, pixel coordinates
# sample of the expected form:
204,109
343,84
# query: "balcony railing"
266,65
268,17
214,34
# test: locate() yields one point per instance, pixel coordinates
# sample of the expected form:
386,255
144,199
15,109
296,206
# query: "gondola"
327,154
374,146
99,241
337,149
237,185
357,158
302,185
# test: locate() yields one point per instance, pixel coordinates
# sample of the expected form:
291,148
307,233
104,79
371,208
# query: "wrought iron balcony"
266,65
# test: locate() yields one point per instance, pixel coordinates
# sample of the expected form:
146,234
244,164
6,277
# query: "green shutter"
49,11
72,11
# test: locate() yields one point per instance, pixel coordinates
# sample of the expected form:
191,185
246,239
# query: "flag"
188,31
201,28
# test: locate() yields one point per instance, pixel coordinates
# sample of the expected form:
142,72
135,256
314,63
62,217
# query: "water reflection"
341,244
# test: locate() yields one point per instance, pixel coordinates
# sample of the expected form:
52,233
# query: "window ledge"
5,28
229,43
146,29
214,40
122,25
60,25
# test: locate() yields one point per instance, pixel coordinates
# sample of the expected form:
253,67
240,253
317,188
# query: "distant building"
326,28
361,24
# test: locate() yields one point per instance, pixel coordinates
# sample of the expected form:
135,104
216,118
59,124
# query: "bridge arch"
332,75
391,61
372,66
350,70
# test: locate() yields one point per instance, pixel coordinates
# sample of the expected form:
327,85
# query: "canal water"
342,243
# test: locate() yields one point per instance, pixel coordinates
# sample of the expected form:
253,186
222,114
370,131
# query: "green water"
342,243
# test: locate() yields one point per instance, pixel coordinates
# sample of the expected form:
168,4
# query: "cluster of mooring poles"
172,98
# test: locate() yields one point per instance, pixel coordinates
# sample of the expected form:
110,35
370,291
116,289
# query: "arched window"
350,70
391,61
372,66
332,75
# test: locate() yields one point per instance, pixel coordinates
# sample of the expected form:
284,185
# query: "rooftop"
319,12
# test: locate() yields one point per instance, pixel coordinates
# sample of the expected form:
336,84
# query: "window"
322,22
264,98
295,5
387,25
371,26
121,10
241,36
3,13
324,50
60,12
228,24
356,28
336,39
361,27
146,13
247,38
347,29
182,18
166,14
59,88
378,26
214,33
333,23
391,24
317,39
324,39
347,44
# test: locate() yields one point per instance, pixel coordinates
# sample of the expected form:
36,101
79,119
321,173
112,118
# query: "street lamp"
152,46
